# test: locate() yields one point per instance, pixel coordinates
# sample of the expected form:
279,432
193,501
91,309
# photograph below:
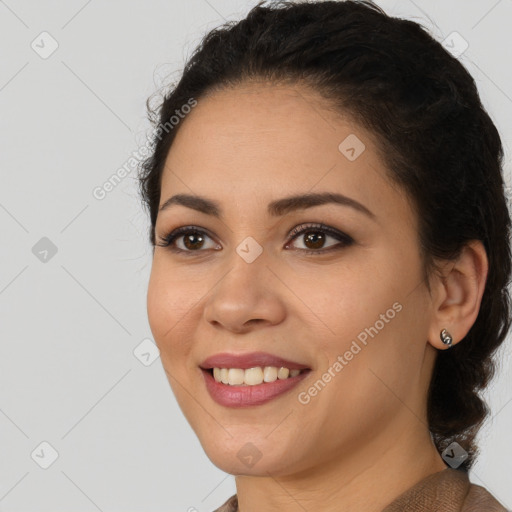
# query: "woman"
330,260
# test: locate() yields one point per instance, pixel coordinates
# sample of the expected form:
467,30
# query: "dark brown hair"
438,143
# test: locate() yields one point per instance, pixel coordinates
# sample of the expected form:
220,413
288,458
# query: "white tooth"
224,375
270,374
236,376
283,373
253,376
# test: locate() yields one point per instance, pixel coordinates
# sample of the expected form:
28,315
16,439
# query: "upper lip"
249,360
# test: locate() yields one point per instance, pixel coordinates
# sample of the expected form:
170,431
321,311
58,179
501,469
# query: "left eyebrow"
276,208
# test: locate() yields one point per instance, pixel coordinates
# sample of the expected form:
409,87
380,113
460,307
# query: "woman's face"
347,303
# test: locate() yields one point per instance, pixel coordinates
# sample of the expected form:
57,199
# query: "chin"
230,463
239,456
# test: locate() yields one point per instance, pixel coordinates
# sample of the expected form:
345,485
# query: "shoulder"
449,489
231,505
478,498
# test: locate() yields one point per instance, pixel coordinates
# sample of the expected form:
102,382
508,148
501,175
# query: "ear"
457,294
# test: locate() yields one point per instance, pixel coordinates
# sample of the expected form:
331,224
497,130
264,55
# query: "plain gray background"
72,321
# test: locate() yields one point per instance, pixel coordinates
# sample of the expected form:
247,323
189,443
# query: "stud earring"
446,338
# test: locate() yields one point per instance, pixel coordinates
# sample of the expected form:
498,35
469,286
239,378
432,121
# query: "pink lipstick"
246,395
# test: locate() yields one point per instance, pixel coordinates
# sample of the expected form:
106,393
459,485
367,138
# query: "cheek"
159,305
382,352
169,302
367,315
343,301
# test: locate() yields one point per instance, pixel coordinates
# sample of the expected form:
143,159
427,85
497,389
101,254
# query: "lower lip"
245,396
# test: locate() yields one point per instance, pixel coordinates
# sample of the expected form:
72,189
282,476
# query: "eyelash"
345,240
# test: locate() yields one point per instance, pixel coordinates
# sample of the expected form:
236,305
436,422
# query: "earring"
446,338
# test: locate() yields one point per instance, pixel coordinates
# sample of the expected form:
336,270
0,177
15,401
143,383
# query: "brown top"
448,490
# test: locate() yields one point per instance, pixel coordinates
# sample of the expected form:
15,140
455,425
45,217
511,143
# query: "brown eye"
314,238
193,240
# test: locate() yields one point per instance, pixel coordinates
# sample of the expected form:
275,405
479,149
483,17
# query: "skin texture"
363,439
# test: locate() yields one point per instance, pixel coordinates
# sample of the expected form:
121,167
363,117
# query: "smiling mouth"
253,376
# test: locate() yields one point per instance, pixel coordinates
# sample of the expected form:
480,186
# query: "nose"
246,296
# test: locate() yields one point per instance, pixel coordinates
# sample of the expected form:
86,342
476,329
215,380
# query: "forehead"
261,140
289,118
